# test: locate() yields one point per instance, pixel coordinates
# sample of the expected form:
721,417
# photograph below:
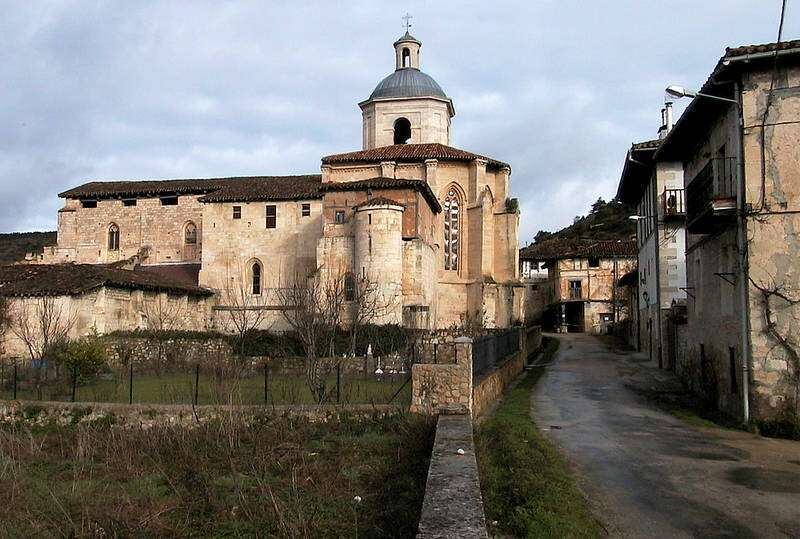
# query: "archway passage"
402,131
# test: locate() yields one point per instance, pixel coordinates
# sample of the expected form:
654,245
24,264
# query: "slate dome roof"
408,82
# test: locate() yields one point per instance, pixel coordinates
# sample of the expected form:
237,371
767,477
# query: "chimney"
666,120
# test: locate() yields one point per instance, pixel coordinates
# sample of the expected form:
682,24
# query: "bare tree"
162,314
5,321
781,316
312,306
244,310
41,322
369,303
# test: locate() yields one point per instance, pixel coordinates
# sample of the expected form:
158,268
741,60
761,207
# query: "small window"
113,237
369,218
190,234
88,203
169,201
406,57
350,287
255,278
594,262
305,210
237,212
575,290
338,217
272,216
129,202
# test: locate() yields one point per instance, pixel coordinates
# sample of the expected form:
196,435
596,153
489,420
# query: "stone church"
432,226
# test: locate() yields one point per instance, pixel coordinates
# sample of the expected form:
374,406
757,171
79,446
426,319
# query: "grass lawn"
528,489
179,389
266,477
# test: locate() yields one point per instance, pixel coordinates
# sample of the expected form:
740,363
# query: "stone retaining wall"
148,415
491,386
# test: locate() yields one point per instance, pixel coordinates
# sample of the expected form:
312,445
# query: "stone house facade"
74,300
403,209
581,293
655,188
740,157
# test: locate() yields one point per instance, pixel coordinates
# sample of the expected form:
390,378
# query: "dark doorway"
402,131
574,317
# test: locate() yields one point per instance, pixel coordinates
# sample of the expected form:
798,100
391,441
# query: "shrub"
86,357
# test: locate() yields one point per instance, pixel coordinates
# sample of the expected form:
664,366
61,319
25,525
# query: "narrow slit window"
255,278
237,212
305,210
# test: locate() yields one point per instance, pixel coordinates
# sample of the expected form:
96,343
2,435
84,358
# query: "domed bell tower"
408,106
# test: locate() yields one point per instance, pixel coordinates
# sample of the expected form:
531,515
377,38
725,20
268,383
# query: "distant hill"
14,246
605,221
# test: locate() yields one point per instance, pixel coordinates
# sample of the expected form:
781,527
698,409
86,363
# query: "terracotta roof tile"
387,183
268,188
379,201
557,249
409,153
255,187
69,279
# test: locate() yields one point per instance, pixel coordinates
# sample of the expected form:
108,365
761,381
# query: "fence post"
74,382
266,383
196,382
15,380
338,380
130,384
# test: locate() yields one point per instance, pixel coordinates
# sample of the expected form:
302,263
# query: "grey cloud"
173,89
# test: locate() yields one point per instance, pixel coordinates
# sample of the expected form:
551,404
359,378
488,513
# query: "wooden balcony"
674,204
711,197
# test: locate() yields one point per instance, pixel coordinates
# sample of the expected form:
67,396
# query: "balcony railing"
674,205
575,292
711,196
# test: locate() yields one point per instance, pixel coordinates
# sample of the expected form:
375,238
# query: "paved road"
649,474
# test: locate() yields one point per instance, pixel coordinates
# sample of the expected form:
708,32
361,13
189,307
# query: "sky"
94,90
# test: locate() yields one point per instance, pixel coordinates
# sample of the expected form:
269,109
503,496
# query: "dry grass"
233,477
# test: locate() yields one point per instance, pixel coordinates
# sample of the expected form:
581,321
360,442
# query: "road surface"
650,474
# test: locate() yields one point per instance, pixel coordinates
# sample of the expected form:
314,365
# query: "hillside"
14,246
605,221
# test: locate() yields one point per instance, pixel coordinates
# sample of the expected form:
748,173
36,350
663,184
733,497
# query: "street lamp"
680,91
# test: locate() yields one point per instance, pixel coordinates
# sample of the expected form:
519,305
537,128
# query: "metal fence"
244,383
493,349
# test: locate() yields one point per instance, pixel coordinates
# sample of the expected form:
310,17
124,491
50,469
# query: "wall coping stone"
453,506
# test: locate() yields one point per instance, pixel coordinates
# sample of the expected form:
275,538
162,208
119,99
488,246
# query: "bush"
85,357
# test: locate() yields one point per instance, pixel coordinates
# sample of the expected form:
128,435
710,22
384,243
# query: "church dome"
407,82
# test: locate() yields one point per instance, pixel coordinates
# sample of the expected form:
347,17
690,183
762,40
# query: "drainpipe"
741,244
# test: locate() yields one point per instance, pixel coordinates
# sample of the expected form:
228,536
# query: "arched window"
190,234
452,238
255,277
402,131
406,58
113,237
349,287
